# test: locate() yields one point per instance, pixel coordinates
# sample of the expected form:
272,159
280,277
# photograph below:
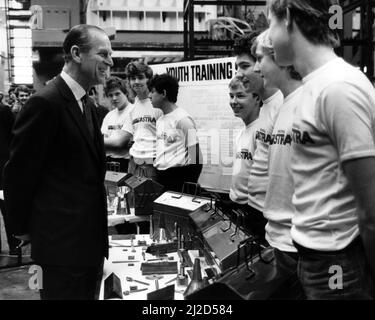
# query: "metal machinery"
237,263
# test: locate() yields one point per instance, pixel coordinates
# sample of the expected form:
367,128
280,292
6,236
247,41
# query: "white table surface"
123,270
115,219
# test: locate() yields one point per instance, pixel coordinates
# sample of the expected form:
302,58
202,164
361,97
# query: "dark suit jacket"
101,112
54,180
6,124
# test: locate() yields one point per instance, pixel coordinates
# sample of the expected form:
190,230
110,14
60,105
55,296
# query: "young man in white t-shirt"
333,155
113,122
278,206
245,103
141,124
272,99
177,149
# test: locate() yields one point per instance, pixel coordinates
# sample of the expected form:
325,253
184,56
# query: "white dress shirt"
76,88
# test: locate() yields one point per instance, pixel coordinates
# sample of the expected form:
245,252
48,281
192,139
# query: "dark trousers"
254,221
70,283
12,241
286,266
173,178
143,168
342,274
117,164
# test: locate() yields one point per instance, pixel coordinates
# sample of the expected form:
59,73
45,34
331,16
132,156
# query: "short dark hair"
135,68
80,36
165,82
115,83
312,18
21,88
243,44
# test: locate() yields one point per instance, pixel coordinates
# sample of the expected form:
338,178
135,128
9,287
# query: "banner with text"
204,94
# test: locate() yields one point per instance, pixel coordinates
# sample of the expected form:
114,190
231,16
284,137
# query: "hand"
25,239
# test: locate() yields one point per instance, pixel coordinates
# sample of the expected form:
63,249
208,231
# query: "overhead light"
23,72
15,4
21,43
22,52
22,62
22,33
23,80
19,13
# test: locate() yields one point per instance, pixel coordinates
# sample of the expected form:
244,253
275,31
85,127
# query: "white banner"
204,94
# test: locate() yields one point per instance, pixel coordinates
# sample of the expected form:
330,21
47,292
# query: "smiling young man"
54,179
22,94
245,104
333,155
113,122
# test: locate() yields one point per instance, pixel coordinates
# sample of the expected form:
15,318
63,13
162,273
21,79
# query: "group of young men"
304,172
311,170
153,137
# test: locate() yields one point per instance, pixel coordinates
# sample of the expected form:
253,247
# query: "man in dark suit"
6,124
54,180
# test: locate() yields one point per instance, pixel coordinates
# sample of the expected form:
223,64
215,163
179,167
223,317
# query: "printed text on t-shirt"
301,137
144,119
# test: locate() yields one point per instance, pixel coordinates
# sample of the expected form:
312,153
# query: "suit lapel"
76,113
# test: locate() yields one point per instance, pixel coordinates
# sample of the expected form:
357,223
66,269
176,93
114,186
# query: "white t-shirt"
278,206
258,179
114,121
245,146
141,123
333,123
176,131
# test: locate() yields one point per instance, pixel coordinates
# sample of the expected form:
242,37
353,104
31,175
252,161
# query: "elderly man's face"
96,63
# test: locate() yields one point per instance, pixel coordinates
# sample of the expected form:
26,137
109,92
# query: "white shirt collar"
76,88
